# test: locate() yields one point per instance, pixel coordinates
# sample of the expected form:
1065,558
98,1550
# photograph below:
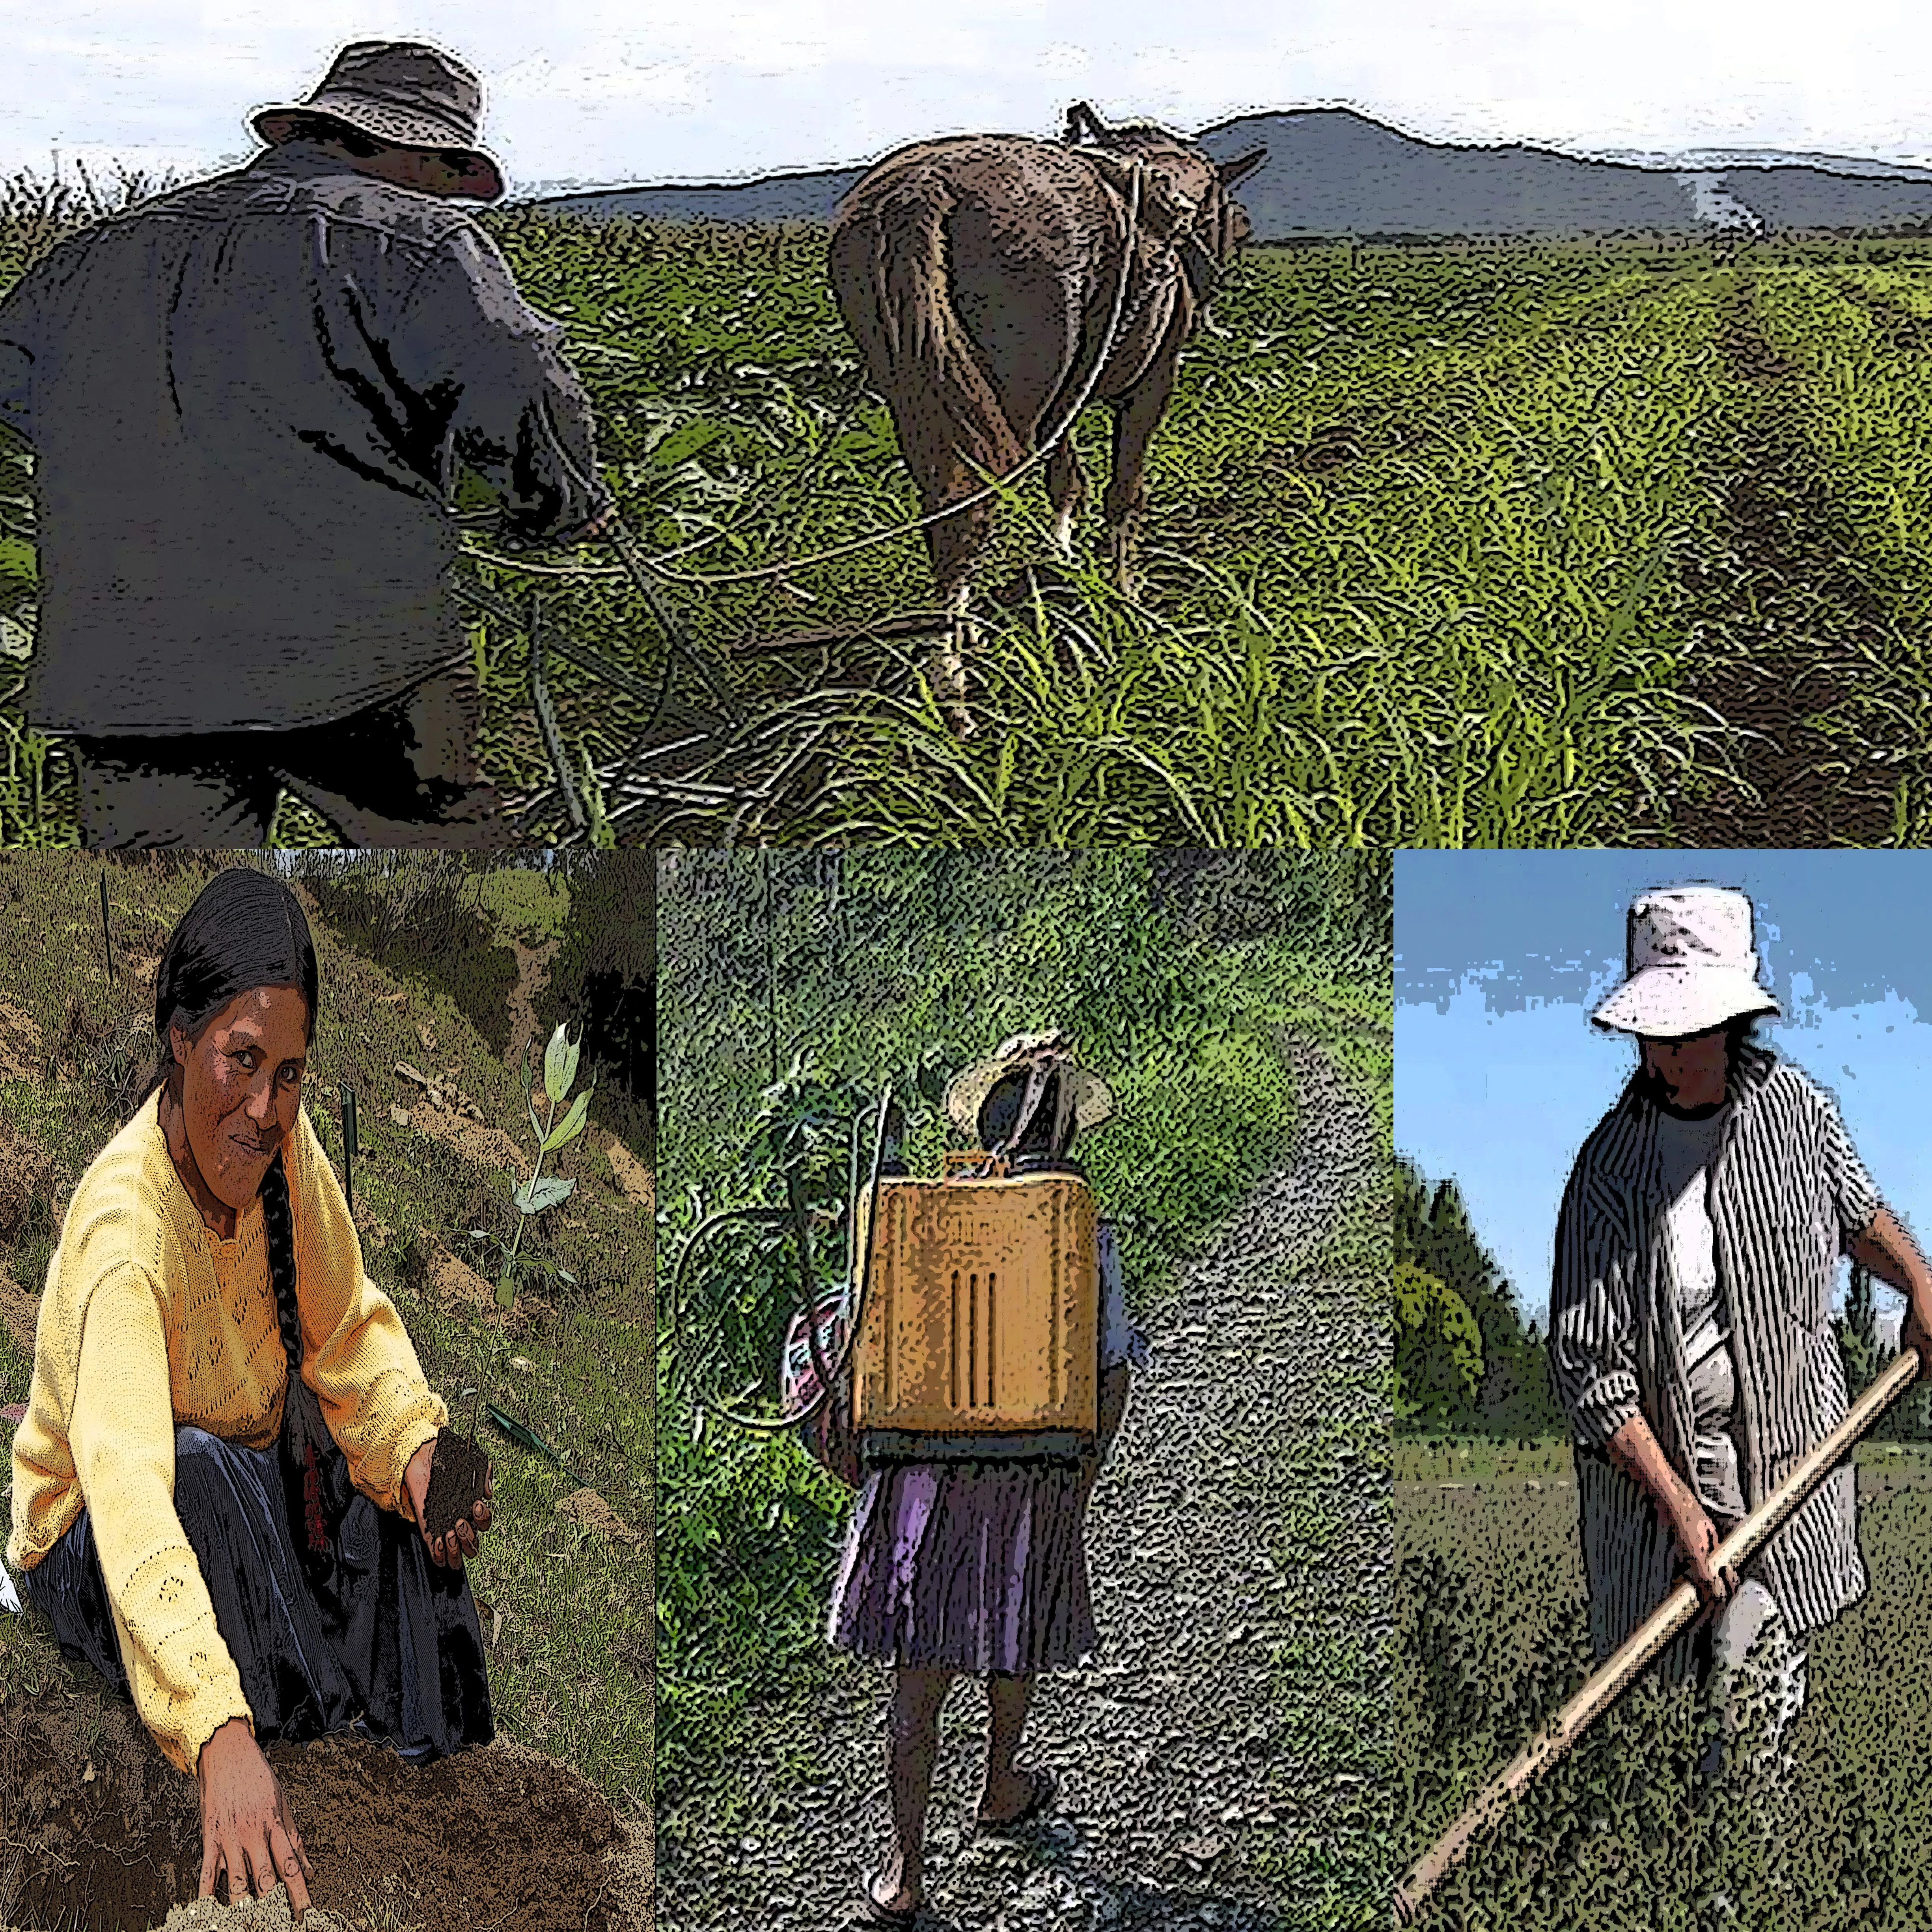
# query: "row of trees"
1865,1353
1467,1364
1465,1361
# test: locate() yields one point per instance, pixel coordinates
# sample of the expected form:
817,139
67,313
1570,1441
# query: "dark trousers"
331,1607
402,772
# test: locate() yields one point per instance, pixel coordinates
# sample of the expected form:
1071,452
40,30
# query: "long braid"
278,1222
278,1225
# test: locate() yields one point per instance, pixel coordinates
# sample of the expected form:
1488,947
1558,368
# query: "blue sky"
1501,955
615,90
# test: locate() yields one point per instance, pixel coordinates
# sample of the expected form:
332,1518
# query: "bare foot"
888,1891
1018,1794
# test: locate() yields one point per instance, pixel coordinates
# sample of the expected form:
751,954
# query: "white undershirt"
1685,1149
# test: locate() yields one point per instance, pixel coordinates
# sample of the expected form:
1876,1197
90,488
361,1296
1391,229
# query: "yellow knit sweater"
149,1322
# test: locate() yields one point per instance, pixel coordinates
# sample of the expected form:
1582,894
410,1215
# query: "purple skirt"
966,1567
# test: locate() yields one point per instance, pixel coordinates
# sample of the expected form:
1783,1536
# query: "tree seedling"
540,1191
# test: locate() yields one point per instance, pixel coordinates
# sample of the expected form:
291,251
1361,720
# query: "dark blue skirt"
331,1608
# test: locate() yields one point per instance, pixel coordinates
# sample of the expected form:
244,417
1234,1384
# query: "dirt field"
103,1831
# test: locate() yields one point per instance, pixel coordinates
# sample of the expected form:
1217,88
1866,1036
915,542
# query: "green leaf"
1003,779
568,1128
534,1195
685,442
559,1065
506,1292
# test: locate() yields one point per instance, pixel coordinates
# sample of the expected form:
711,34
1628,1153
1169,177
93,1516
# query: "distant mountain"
1331,172
771,198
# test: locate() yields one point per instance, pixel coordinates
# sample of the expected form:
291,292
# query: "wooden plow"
699,753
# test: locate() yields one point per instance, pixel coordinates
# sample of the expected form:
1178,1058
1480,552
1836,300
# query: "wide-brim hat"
1691,963
1090,1096
404,92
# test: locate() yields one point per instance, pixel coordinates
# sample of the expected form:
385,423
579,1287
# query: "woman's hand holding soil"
246,1829
448,1550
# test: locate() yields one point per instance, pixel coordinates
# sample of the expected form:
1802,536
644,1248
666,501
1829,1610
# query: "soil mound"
270,1914
97,1829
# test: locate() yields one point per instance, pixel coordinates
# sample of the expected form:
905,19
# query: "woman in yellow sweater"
228,1438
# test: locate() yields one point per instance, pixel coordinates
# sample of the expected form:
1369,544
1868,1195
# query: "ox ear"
1243,166
1082,124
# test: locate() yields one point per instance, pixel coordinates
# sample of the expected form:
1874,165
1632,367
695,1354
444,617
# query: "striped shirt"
1786,1193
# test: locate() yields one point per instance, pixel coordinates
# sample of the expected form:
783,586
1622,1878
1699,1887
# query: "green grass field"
570,1668
1492,1636
1559,545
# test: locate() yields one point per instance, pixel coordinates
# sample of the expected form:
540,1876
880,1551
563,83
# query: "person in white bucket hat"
1691,1334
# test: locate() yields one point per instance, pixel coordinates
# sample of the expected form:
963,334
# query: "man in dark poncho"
247,400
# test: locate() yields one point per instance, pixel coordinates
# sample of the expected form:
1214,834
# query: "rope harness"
1203,271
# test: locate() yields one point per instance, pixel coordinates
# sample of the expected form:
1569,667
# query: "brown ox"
979,276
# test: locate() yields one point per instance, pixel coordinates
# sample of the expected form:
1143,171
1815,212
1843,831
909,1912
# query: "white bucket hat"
1691,964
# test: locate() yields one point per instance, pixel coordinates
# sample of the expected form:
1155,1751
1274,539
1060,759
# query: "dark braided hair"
278,1223
246,929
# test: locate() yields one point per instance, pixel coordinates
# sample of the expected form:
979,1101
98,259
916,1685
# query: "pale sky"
1501,955
606,90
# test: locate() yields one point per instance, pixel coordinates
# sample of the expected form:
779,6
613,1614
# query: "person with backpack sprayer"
969,1559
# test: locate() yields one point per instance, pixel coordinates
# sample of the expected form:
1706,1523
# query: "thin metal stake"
349,1146
106,932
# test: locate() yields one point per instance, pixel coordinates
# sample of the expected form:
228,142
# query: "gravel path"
1216,1762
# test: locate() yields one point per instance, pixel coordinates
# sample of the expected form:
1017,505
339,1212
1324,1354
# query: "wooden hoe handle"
1618,1672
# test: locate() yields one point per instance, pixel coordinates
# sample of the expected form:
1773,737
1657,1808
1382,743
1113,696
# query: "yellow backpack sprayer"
968,1326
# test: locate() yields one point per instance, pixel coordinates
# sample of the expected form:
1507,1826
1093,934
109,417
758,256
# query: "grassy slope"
572,1673
749,1530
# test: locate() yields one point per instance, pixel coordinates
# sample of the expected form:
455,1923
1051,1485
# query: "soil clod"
456,1473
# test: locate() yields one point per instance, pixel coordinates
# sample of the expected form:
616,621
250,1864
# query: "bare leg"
912,1743
1006,1792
